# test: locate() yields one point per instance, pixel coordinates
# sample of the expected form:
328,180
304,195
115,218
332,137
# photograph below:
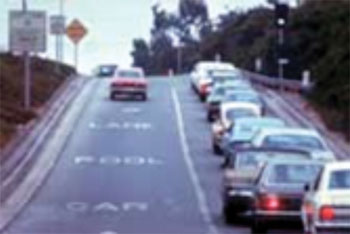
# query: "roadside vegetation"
44,83
317,39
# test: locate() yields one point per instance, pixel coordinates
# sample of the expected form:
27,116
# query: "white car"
299,138
326,205
201,76
229,112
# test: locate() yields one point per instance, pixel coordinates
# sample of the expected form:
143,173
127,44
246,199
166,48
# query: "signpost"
27,34
58,28
76,31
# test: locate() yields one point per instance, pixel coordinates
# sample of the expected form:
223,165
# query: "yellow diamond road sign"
76,31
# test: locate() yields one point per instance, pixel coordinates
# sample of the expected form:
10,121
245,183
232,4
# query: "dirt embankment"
45,80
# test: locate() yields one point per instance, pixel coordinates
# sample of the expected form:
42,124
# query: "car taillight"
204,88
326,213
269,202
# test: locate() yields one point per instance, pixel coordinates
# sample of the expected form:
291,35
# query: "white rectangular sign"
57,25
27,31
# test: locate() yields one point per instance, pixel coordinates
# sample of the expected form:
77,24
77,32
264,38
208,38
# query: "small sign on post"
27,31
76,31
57,25
27,34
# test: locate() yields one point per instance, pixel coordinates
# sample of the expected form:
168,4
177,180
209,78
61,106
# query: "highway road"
134,167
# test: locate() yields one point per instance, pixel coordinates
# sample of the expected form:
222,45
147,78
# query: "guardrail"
24,146
276,83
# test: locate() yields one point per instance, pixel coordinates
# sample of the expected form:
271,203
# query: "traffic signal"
281,15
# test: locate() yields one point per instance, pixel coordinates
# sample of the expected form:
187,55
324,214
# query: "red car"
129,82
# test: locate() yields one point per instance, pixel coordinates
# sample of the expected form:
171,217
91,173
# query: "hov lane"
127,180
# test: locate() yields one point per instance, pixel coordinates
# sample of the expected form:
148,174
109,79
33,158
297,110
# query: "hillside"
45,82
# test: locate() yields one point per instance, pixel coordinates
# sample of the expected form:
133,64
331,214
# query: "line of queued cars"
272,172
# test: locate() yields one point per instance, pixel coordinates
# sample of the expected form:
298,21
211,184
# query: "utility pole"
27,78
61,36
179,59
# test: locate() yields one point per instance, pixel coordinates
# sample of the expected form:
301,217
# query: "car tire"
112,96
144,97
210,118
228,214
258,227
216,149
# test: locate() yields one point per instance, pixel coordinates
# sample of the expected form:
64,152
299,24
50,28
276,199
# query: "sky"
112,25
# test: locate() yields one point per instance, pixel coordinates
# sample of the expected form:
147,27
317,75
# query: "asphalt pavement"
134,167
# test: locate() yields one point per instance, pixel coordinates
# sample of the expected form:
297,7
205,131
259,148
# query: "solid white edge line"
202,201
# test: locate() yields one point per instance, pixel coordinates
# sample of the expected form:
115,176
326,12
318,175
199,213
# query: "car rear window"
239,113
285,140
293,173
340,179
254,159
129,74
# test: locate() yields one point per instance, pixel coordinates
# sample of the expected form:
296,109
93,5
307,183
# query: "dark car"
279,192
108,70
241,174
243,132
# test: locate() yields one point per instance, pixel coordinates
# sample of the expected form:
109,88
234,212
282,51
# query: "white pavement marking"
128,206
202,202
111,160
131,110
108,232
106,206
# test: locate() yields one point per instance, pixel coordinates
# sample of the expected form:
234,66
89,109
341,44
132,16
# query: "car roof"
338,165
273,149
137,69
290,130
259,121
215,65
232,105
294,161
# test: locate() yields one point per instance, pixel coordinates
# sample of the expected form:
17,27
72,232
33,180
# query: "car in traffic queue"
130,82
245,95
241,173
326,204
229,112
243,131
106,70
217,95
279,191
303,138
201,76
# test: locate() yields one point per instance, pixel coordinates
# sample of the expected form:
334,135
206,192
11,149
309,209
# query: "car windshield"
240,113
293,173
340,179
129,74
254,159
289,140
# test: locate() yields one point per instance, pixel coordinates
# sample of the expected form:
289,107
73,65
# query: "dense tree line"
317,39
